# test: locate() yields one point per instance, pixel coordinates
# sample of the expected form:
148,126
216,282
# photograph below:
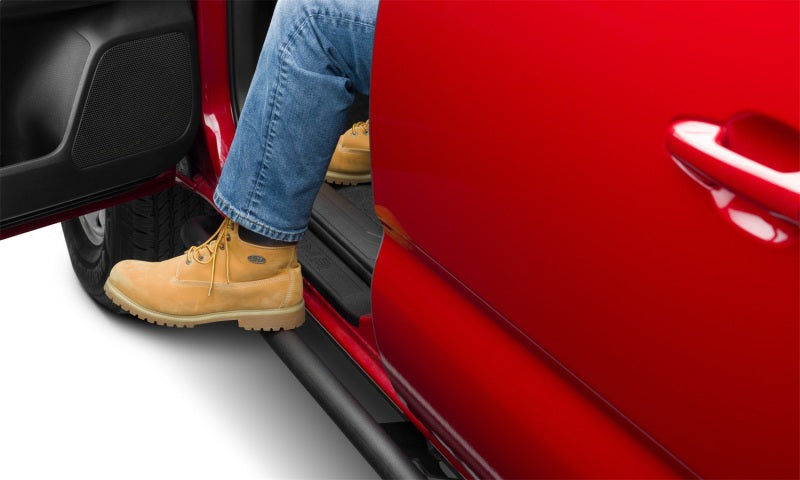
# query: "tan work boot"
224,278
350,163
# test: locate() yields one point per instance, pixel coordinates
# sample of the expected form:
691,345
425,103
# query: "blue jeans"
317,54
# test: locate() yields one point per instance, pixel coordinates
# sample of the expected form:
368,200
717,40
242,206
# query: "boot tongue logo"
257,259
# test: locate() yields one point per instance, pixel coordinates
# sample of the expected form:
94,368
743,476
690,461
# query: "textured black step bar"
335,280
348,231
367,436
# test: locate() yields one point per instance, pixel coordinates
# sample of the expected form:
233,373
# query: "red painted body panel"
526,419
217,124
533,137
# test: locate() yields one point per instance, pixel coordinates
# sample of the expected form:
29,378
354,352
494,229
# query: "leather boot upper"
223,274
352,154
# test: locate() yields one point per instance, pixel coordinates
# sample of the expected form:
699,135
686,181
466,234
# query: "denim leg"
317,54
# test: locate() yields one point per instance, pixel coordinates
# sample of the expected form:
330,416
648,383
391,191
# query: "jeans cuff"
255,225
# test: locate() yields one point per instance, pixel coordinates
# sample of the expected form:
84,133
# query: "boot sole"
266,320
347,178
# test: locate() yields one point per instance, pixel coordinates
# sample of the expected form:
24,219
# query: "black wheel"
148,228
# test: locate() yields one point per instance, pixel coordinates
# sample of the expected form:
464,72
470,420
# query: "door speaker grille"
140,98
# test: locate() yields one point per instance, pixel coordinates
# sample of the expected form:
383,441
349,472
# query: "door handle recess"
699,145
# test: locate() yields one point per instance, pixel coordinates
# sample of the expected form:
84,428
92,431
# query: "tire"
147,228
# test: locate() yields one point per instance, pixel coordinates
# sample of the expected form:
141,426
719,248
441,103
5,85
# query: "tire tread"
147,228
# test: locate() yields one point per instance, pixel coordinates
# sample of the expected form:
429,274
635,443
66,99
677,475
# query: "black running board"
334,279
348,231
372,441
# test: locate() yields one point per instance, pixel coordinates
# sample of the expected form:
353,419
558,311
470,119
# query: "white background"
89,394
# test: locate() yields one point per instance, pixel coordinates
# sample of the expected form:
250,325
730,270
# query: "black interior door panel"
96,97
36,8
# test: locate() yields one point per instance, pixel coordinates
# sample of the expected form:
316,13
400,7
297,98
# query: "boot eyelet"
201,258
188,262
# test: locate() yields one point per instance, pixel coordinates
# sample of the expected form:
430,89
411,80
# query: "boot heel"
278,319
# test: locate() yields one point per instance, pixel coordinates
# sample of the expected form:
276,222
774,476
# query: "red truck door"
591,266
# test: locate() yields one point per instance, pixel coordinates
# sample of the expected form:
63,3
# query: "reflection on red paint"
744,214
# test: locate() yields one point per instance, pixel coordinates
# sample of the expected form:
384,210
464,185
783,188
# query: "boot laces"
206,252
360,127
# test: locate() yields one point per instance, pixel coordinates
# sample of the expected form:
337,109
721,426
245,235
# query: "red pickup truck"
579,253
